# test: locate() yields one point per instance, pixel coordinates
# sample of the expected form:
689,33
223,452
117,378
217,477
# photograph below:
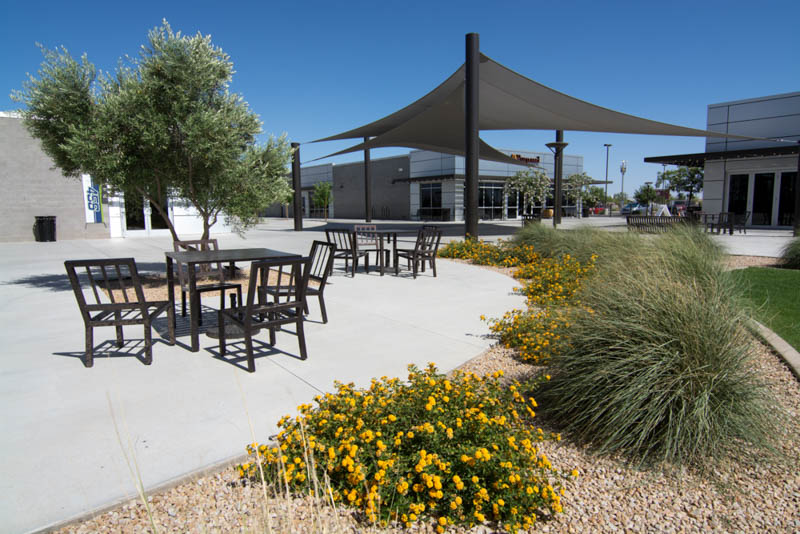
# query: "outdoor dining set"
110,292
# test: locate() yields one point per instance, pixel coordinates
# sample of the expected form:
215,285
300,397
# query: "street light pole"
605,200
622,168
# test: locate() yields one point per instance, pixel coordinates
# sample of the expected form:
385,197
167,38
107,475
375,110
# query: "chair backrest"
112,281
740,219
295,269
428,240
366,236
197,245
341,238
321,262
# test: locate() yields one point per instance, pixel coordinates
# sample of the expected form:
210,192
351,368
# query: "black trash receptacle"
45,228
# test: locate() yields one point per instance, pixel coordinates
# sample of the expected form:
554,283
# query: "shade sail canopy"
508,101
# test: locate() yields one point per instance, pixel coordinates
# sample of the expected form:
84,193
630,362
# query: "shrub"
581,243
535,334
548,281
457,451
504,254
658,366
790,256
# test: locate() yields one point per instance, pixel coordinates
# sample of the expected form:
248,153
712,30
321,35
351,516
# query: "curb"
786,352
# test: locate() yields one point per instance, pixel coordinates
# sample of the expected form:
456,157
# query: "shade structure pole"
298,203
471,135
558,178
367,186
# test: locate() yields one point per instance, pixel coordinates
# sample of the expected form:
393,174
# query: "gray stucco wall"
31,187
389,200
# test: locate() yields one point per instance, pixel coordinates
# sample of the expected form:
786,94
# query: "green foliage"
659,367
163,124
683,180
534,185
790,255
645,195
771,295
448,451
593,196
581,243
575,184
620,199
322,196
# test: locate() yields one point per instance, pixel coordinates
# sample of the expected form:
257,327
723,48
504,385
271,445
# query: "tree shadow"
60,282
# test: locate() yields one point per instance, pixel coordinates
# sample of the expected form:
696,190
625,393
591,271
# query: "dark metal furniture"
259,314
368,240
740,221
215,272
723,222
346,250
320,266
193,258
425,249
653,223
123,304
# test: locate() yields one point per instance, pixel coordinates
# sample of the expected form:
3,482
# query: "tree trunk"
164,212
206,229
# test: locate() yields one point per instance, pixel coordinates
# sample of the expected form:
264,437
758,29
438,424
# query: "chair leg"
433,265
301,338
416,264
120,339
355,266
148,344
322,309
171,323
221,326
396,264
183,303
88,355
248,345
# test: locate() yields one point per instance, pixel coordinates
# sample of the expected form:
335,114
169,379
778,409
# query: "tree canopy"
534,185
646,194
164,124
683,180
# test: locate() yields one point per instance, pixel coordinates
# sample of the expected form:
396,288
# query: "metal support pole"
471,136
559,170
367,186
605,200
298,203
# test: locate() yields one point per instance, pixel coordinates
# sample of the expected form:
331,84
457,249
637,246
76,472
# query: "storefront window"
786,199
430,201
490,200
763,189
737,193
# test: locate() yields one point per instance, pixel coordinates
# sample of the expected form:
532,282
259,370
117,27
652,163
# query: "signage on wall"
525,159
92,200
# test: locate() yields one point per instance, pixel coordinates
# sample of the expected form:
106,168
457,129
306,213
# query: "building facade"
756,178
422,185
83,208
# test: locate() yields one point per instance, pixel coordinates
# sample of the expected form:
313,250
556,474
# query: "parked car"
633,208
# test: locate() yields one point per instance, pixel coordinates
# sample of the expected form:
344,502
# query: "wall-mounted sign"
92,200
524,159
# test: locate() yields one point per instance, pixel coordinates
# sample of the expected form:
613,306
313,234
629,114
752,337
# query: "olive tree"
534,185
163,125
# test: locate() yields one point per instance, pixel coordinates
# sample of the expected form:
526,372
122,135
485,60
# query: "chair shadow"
108,349
236,353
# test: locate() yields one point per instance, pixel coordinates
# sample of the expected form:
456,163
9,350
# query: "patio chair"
724,223
115,299
740,222
345,244
424,250
257,314
216,274
367,240
320,266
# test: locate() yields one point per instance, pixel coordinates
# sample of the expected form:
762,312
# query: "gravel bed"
609,495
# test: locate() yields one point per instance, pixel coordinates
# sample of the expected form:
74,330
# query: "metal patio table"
391,236
199,257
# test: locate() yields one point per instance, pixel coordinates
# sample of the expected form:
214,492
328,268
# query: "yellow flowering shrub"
549,281
448,451
504,254
535,334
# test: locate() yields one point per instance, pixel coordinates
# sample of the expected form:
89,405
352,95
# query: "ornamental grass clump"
658,365
580,243
444,451
790,256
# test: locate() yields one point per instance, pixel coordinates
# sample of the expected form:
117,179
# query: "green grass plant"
580,243
658,364
773,295
790,256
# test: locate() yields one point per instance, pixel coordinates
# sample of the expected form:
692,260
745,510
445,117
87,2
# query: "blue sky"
312,69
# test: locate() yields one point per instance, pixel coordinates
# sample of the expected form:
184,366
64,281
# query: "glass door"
134,212
763,191
786,199
737,193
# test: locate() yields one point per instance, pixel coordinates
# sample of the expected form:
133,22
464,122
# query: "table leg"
380,253
194,308
171,299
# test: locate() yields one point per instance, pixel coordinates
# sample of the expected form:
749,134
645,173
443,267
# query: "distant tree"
645,195
687,180
162,125
322,196
594,196
575,184
620,199
534,185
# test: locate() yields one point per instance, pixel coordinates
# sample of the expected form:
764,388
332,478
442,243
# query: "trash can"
45,228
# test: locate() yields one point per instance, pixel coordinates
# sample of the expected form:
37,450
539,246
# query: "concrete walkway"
70,434
60,453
